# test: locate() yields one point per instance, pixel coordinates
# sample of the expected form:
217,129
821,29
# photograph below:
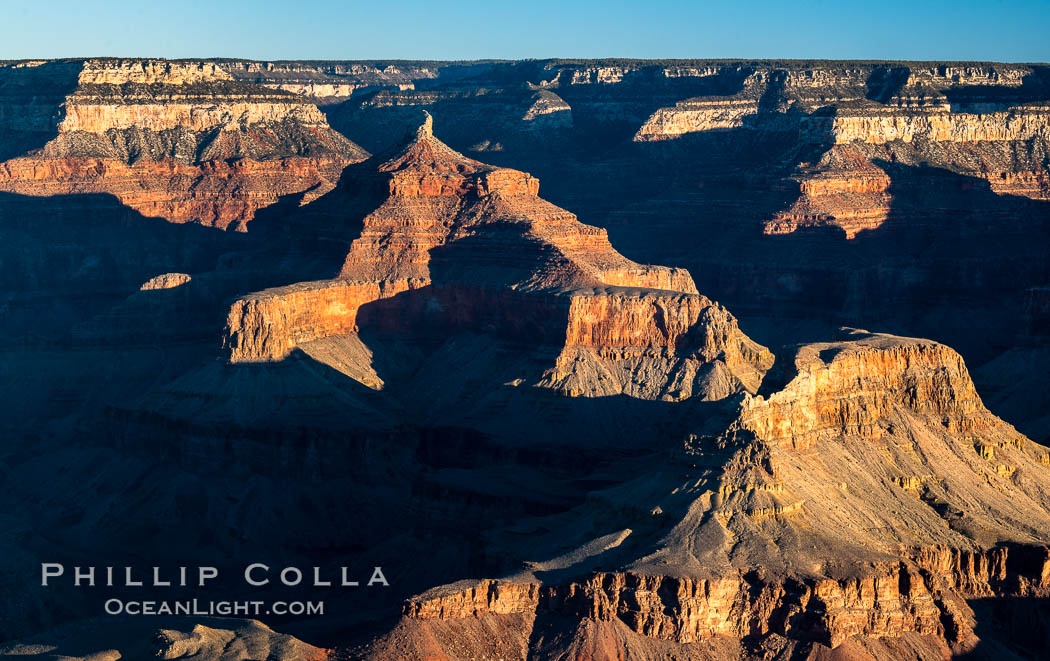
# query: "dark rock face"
412,360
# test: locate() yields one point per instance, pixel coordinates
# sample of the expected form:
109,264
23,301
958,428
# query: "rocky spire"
421,149
426,129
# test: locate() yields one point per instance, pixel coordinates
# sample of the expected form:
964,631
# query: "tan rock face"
917,109
150,72
316,90
99,118
165,281
691,611
597,74
862,498
475,599
882,443
330,81
268,325
655,345
895,598
980,74
985,122
622,320
549,110
880,127
694,117
851,187
855,390
179,140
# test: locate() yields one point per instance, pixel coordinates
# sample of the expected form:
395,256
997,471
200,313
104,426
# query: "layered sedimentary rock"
331,82
987,122
632,343
860,503
775,208
481,250
893,600
849,187
695,116
869,496
215,193
941,125
182,141
959,123
838,125
166,281
825,397
881,102
268,325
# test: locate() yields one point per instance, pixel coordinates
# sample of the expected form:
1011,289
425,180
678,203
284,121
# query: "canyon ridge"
596,359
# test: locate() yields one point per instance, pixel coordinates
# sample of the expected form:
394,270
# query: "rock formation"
178,140
166,281
332,82
988,123
413,360
867,498
461,245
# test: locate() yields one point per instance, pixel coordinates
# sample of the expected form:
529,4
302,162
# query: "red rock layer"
852,392
178,140
850,187
215,193
925,594
267,326
853,200
481,250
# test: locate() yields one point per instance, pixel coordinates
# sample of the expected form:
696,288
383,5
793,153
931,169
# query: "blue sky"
1004,30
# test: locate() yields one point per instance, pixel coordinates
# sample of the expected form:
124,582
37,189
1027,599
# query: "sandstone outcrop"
777,220
882,126
462,369
868,496
182,141
985,122
332,82
654,346
849,388
166,281
219,193
894,599
522,268
549,111
694,116
150,72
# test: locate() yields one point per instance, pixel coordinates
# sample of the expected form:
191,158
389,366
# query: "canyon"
596,358
179,141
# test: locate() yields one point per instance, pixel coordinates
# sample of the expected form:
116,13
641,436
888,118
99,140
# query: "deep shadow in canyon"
160,440
32,101
951,261
1010,628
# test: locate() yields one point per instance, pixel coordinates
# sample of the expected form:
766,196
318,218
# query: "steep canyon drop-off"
278,309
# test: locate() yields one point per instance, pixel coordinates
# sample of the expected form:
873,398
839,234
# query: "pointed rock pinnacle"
426,129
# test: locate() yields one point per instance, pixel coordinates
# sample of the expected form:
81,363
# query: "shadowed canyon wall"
620,418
